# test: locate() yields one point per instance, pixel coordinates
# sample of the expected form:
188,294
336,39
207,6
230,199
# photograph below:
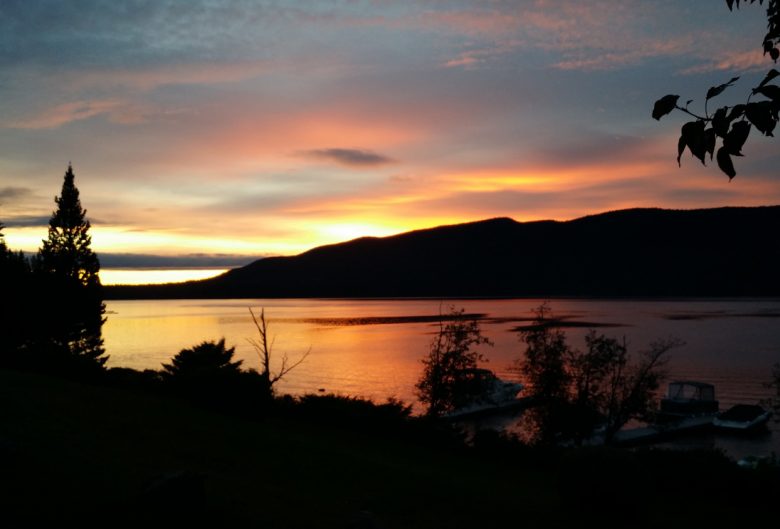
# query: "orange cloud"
75,111
469,22
150,77
733,61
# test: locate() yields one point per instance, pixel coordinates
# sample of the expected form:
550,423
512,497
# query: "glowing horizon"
136,276
315,125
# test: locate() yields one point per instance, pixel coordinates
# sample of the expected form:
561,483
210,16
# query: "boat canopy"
689,390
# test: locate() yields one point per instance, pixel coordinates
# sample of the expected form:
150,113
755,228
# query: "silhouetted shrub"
207,374
353,411
595,480
123,377
205,360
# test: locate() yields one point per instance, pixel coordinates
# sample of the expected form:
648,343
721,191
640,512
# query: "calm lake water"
373,348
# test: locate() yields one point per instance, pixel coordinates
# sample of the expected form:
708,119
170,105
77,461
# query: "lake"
373,348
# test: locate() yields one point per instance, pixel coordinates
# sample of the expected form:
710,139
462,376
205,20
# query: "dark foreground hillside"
84,456
637,252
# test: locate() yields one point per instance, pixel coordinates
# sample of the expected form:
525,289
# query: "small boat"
490,394
689,407
742,418
686,399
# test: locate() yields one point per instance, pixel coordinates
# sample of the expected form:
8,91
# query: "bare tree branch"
264,351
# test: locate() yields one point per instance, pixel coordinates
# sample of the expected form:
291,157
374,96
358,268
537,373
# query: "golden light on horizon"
130,276
354,230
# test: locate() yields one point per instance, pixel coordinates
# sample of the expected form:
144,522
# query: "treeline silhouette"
52,312
631,253
52,304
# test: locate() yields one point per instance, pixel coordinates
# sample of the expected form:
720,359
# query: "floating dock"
661,432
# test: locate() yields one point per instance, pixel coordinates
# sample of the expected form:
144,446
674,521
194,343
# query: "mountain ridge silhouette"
639,252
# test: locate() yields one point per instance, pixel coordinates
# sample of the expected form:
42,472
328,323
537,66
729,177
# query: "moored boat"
742,418
490,394
686,399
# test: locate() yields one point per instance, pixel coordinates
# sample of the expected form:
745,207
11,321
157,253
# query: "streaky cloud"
752,60
27,221
195,260
13,192
66,113
350,157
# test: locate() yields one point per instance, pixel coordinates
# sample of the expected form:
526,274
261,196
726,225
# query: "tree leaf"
736,138
709,141
693,133
736,112
774,53
771,91
664,105
769,76
762,116
725,163
680,149
720,123
717,90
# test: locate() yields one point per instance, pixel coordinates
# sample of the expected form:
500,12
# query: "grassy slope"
75,453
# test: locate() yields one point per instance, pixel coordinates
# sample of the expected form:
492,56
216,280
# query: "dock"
660,432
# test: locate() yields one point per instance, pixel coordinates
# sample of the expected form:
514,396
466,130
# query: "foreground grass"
76,455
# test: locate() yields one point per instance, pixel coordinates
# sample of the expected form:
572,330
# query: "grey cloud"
493,203
99,33
351,157
13,193
197,260
401,178
27,221
761,159
693,195
590,147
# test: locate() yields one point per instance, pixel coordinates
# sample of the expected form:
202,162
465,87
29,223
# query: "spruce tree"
69,269
67,252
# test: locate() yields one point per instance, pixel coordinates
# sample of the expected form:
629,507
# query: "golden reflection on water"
380,360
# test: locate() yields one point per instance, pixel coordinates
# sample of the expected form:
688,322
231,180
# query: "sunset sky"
207,133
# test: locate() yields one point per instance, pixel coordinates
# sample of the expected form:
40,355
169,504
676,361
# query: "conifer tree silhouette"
70,269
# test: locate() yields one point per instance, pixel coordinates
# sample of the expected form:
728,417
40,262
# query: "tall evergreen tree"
70,272
67,252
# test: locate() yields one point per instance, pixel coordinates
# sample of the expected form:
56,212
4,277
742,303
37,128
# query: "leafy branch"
731,124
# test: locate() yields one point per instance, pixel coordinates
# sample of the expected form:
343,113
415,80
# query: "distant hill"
634,252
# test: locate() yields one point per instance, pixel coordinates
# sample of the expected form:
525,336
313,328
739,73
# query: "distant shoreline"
721,253
110,296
